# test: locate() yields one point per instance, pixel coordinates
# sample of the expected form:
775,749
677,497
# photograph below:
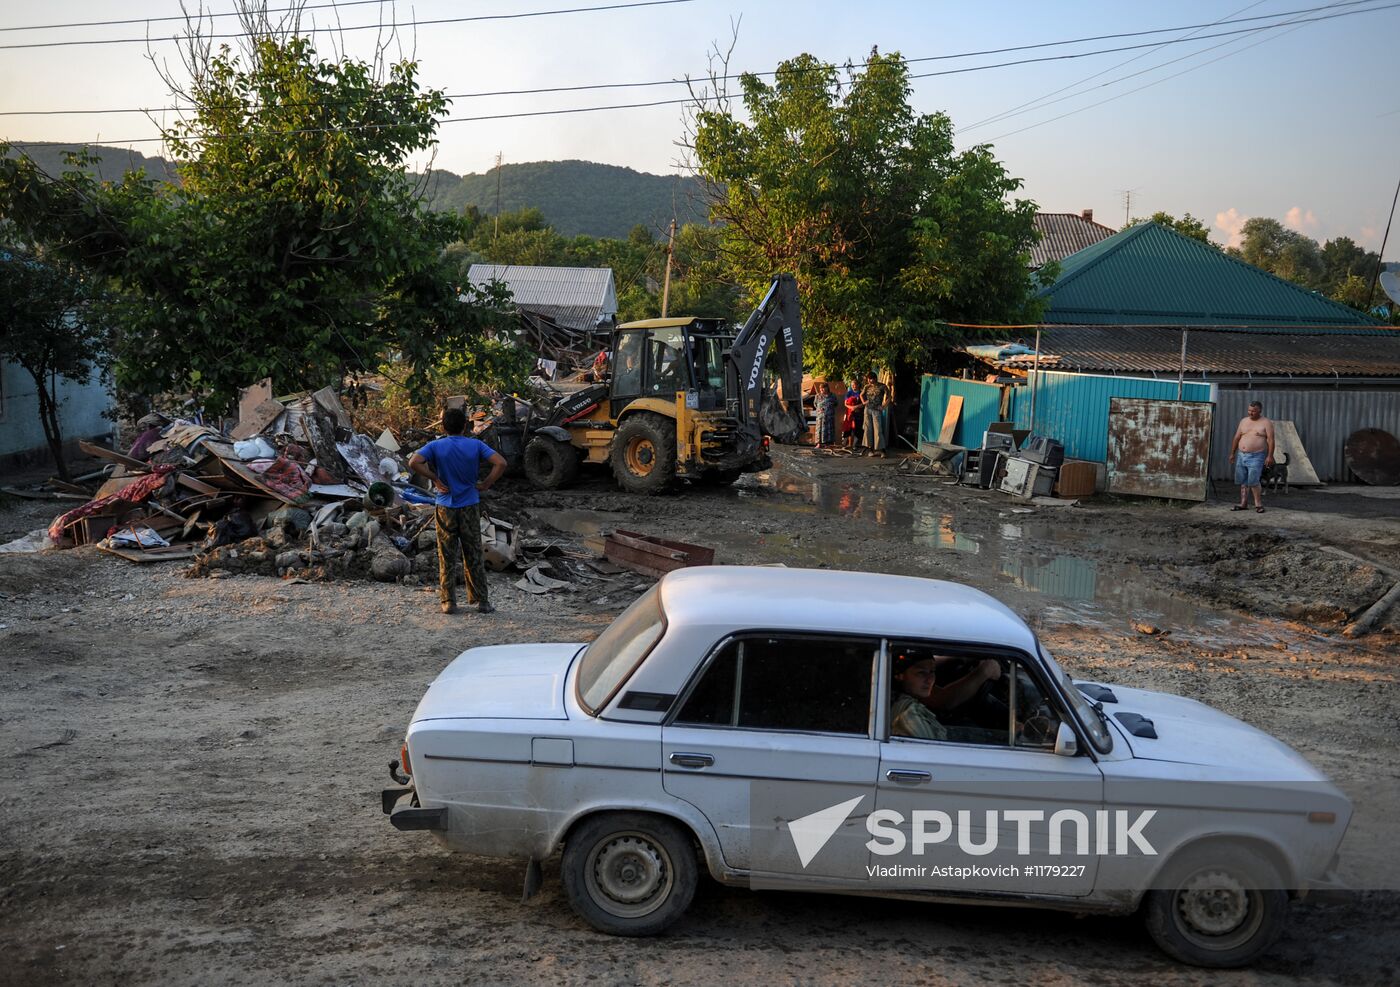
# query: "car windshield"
1089,713
617,651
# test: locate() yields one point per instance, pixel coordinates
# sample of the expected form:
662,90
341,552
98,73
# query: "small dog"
1276,476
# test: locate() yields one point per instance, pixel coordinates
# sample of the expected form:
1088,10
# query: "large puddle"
1020,555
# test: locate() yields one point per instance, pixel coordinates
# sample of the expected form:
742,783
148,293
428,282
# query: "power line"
1152,44
673,82
1046,100
354,27
182,17
670,102
1155,82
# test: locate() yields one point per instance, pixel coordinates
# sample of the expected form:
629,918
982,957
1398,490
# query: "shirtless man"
1252,450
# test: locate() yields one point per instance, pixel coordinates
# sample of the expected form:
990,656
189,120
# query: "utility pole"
1127,194
500,157
666,283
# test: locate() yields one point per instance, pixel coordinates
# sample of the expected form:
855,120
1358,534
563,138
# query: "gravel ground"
191,788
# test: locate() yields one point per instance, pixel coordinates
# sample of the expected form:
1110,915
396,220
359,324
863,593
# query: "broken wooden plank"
263,415
653,556
250,397
63,486
198,486
115,485
1362,625
114,456
169,554
950,419
328,400
252,479
43,494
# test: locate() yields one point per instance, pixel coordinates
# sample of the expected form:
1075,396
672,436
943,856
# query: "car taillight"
404,766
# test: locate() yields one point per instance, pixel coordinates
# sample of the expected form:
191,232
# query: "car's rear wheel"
629,873
1217,907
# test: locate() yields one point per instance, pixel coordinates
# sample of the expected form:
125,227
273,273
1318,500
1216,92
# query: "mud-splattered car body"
729,707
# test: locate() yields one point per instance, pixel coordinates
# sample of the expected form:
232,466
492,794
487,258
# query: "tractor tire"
549,463
643,455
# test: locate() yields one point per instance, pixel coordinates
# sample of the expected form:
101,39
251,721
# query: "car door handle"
688,760
908,777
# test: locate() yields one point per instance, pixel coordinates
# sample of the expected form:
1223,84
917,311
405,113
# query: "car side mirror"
1066,743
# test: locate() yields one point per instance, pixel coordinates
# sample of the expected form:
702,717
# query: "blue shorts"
1249,468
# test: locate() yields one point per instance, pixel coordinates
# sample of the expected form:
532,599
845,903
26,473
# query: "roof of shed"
1316,352
1064,233
1152,275
573,297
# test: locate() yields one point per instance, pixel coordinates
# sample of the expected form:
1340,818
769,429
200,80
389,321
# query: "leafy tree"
890,232
1343,259
1187,225
47,328
1269,244
295,245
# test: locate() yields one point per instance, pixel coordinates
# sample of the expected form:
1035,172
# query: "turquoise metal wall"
1070,407
1074,407
981,407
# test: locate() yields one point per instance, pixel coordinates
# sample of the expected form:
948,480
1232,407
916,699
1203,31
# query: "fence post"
1181,369
1035,378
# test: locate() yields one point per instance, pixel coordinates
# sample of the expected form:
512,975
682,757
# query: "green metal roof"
1152,275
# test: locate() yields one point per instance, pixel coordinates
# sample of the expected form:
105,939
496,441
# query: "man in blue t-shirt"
452,464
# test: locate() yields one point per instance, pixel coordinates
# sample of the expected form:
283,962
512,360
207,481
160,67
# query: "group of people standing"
864,427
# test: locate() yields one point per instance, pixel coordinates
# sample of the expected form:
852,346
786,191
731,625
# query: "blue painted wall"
81,408
1074,407
1070,407
981,407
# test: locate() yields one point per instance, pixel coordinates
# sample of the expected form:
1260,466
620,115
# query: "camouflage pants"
459,528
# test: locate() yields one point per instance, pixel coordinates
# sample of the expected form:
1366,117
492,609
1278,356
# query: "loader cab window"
665,363
627,368
707,356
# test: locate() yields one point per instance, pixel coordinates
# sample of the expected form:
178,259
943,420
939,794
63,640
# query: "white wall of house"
81,411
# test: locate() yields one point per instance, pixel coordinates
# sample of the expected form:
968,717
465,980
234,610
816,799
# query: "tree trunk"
53,430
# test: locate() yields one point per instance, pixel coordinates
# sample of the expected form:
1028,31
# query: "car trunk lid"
515,681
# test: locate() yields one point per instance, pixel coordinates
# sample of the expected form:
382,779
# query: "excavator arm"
775,321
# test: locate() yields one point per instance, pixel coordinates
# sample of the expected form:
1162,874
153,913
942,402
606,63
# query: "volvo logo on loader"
758,360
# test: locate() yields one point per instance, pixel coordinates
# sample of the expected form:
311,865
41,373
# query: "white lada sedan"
861,733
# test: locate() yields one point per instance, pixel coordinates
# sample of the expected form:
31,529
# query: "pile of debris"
290,490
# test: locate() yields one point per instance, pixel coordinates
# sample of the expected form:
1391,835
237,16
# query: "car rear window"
610,659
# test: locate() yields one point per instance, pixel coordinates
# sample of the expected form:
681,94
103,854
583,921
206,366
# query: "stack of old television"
1025,472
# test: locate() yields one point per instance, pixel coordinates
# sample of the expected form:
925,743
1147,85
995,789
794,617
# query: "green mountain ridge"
576,197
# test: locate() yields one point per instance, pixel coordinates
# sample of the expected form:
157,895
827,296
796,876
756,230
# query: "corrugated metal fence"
1074,407
1070,407
1324,418
981,406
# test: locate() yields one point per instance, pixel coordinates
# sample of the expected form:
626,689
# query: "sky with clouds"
1299,121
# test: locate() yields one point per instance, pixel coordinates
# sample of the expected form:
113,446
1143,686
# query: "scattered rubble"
292,491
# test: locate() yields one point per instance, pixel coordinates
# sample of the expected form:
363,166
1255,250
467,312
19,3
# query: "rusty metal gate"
1159,448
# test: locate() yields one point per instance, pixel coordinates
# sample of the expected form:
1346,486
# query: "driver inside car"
919,698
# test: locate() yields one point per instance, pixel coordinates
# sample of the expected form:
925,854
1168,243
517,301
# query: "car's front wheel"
1217,907
629,873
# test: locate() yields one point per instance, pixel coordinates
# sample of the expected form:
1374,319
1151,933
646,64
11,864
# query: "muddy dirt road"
189,788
